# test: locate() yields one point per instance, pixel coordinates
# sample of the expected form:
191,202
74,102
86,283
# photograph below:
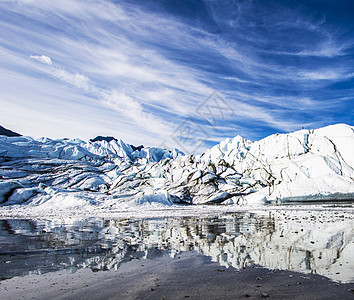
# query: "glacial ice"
306,165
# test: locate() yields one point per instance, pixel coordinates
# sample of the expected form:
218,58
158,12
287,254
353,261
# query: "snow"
306,165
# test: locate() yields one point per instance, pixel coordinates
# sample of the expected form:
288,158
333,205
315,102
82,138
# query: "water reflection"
304,241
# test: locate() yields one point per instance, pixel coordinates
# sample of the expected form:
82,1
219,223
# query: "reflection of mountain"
320,242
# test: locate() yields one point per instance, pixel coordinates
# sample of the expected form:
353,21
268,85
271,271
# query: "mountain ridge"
8,132
306,165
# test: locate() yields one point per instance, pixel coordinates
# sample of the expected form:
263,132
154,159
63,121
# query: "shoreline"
151,211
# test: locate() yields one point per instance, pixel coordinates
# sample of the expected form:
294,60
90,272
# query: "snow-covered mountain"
67,173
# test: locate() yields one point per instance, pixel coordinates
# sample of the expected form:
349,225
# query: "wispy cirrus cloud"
324,75
148,67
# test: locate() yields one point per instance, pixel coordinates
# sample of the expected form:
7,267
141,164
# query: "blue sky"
183,74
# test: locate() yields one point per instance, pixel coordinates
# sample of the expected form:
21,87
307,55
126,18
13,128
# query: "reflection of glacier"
303,241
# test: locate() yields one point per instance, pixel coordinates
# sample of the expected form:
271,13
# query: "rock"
7,132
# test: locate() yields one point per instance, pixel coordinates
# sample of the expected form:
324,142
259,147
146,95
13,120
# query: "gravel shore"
187,276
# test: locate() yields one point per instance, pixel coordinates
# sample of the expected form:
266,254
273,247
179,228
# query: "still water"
319,242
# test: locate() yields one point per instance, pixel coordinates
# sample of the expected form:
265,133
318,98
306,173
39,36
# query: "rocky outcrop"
7,132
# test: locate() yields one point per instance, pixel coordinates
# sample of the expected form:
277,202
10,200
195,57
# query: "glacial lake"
306,241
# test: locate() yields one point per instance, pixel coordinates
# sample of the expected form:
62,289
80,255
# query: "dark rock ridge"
103,138
7,132
111,138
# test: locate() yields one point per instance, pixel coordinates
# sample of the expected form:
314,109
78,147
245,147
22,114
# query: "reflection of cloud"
44,59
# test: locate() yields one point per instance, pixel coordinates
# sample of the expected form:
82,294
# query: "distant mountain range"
7,132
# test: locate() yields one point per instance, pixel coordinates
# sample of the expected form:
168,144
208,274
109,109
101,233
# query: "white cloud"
236,79
325,75
42,58
122,103
78,80
131,109
319,75
326,48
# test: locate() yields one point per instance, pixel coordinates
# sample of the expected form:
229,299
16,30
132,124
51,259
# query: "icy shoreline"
148,211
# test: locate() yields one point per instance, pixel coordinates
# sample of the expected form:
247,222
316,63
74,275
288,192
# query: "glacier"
69,174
